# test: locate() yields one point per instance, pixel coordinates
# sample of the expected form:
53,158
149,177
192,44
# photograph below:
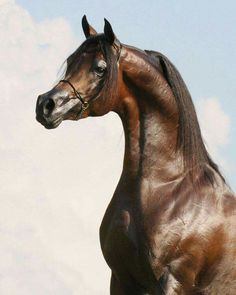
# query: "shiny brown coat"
170,227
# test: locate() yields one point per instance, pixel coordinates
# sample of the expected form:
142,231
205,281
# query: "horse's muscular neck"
150,121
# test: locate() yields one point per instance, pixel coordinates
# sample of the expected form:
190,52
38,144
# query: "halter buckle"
85,105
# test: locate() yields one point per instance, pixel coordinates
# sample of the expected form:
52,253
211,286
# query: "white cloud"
55,185
215,126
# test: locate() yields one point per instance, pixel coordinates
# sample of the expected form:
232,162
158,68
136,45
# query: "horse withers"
170,227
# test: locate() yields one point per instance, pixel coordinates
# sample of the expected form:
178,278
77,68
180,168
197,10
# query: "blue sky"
198,36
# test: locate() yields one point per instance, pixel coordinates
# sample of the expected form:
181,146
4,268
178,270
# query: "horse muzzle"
55,106
48,111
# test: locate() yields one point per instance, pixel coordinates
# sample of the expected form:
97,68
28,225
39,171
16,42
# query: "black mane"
189,138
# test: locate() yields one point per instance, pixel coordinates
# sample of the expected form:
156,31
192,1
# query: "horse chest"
123,246
118,233
119,240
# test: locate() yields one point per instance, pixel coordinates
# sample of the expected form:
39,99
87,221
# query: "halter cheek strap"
86,104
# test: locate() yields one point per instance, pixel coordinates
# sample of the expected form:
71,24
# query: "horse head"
88,87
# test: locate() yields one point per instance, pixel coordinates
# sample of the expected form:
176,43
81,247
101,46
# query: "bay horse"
170,227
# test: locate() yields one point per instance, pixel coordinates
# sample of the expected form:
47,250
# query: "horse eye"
100,71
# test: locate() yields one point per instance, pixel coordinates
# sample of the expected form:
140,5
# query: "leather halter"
85,104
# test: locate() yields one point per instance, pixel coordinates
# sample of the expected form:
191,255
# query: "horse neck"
150,119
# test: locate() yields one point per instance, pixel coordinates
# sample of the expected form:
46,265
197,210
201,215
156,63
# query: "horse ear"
88,30
109,34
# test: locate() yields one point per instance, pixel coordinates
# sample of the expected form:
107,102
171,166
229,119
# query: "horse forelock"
95,44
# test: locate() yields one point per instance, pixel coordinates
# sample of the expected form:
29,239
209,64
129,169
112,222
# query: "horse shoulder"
192,240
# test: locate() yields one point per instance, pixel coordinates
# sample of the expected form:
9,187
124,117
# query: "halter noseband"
85,104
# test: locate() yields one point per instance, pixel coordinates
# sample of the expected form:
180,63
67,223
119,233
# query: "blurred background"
56,184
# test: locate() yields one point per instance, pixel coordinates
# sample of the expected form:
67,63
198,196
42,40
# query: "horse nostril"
48,106
40,99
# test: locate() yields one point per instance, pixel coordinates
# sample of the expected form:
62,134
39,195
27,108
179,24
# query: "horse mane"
189,138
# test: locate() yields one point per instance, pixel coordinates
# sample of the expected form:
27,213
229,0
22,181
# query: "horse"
170,227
